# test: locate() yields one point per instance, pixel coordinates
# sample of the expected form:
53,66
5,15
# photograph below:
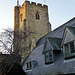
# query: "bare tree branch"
10,43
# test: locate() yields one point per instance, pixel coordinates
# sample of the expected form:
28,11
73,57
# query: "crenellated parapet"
34,3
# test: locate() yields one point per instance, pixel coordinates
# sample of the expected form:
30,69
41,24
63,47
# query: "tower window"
21,17
37,16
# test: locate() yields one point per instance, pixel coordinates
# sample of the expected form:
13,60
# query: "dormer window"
48,57
69,49
51,45
68,42
37,16
66,49
72,47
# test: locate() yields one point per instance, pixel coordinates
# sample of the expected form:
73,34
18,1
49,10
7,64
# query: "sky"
60,11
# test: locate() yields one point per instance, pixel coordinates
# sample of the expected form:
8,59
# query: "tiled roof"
59,65
57,33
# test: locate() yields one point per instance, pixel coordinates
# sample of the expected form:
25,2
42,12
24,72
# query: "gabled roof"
52,44
47,46
71,29
55,43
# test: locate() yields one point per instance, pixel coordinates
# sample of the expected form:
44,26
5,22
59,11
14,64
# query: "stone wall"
39,27
22,14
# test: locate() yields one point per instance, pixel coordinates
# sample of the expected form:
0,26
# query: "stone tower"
34,16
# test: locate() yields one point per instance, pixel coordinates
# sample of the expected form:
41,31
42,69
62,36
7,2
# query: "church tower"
35,16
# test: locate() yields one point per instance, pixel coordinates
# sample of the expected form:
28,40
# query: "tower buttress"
16,18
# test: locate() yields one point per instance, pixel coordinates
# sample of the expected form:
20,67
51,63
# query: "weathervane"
17,2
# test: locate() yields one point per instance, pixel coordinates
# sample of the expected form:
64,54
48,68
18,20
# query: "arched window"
37,16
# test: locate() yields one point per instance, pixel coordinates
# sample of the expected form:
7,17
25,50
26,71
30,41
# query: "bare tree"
11,42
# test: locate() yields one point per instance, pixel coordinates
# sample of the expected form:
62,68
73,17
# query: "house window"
66,50
72,47
29,65
69,49
37,16
48,57
66,47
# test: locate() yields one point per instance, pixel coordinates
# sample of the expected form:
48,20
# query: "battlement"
34,3
16,7
39,4
22,5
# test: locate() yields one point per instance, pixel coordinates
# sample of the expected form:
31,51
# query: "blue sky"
60,11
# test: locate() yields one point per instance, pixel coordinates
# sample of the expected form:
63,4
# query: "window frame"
73,47
29,66
69,49
51,59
